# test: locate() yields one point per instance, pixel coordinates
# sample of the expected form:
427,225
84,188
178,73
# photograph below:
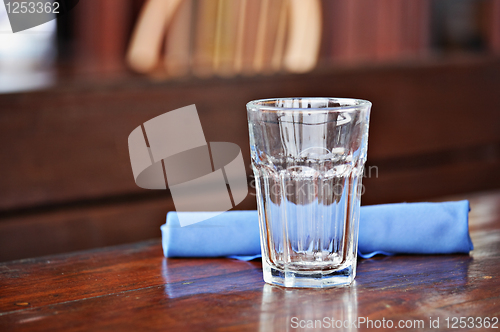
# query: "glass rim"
357,103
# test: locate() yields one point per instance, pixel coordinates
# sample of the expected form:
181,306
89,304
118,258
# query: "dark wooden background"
66,181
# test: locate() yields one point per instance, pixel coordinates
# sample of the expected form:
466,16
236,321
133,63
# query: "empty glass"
308,156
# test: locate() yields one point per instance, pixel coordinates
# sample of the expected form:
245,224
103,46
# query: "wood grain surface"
133,287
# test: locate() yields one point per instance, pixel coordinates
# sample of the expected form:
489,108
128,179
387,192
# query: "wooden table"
133,287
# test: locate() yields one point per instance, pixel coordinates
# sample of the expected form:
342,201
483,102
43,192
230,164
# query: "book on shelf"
205,25
247,39
226,33
177,57
494,27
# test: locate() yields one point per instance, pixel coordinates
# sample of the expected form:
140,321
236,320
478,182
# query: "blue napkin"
404,228
227,234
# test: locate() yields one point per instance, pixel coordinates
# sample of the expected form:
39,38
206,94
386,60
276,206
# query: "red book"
364,30
389,29
339,24
494,36
416,26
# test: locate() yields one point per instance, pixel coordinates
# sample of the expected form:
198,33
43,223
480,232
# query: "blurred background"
73,89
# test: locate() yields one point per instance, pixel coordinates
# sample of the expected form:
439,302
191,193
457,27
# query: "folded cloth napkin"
404,228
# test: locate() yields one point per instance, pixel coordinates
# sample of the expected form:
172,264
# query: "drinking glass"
308,156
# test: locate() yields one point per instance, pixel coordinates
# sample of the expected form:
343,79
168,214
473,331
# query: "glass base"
313,279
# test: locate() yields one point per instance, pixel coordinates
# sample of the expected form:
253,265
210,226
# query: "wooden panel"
69,143
65,230
42,231
421,178
66,177
50,230
77,226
